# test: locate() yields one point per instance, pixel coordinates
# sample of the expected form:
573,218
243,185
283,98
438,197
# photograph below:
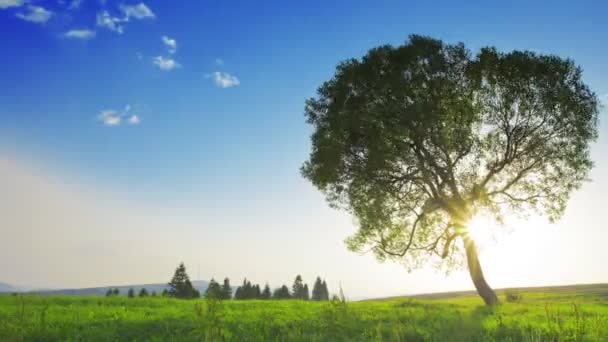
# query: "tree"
256,293
305,293
143,292
297,289
165,293
180,285
214,290
116,292
226,289
266,294
281,293
418,139
153,294
131,293
325,291
317,290
109,293
244,291
238,294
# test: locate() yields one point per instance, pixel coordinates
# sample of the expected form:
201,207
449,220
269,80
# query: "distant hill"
4,287
594,289
200,285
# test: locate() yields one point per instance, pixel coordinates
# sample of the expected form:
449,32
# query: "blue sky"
211,129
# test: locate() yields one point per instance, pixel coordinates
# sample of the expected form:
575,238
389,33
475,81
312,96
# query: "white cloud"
170,43
166,63
604,102
110,117
134,120
224,79
219,62
80,34
104,19
139,56
139,11
11,3
116,24
75,4
35,14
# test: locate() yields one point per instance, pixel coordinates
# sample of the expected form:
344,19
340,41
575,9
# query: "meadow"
527,316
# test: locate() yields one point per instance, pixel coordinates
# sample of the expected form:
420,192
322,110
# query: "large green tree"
319,290
226,289
214,290
180,285
281,293
297,289
266,294
417,139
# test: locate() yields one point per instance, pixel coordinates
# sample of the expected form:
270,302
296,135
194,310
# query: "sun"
480,228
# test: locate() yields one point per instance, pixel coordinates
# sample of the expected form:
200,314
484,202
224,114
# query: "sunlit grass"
538,316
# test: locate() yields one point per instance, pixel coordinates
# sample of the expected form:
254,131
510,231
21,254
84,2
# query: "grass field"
577,314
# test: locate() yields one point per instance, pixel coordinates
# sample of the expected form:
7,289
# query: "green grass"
538,316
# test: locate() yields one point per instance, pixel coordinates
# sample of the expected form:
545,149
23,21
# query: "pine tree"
238,294
214,290
165,293
242,292
297,288
180,285
226,289
248,290
256,293
305,293
281,293
131,293
266,293
317,290
115,292
110,293
143,292
153,294
325,293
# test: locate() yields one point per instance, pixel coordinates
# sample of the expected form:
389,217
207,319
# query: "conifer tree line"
247,290
181,287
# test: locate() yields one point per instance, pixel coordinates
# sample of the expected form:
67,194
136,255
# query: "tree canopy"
226,292
319,290
180,285
417,139
214,290
281,293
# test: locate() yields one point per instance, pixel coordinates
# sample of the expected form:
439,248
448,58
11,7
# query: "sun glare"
480,229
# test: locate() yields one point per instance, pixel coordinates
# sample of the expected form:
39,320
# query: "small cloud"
4,4
139,56
219,62
166,63
134,120
80,34
139,11
75,4
36,14
104,19
224,79
604,101
170,43
110,117
116,24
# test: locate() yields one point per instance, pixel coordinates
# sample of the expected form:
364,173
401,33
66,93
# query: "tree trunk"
483,289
